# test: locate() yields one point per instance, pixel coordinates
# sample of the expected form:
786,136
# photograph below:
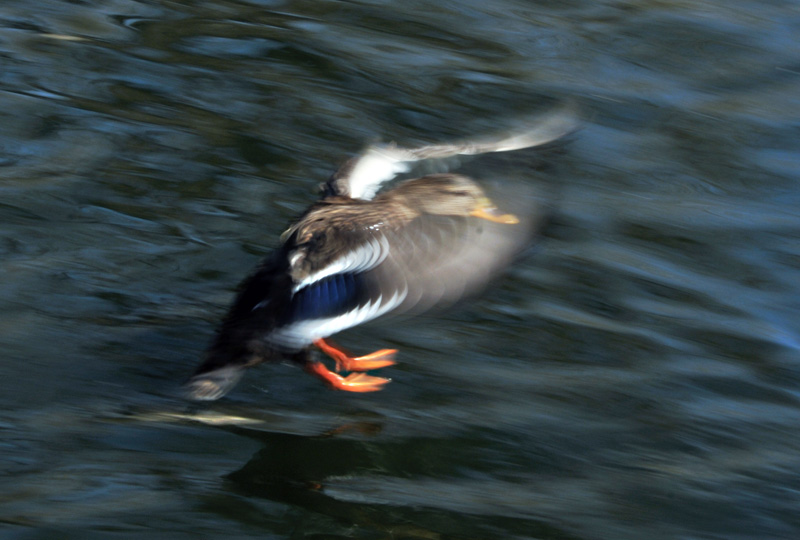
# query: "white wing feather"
379,164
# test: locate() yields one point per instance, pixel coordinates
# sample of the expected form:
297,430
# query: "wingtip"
544,128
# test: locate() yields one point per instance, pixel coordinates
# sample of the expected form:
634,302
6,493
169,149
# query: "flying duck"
359,253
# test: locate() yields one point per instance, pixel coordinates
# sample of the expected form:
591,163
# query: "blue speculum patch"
328,297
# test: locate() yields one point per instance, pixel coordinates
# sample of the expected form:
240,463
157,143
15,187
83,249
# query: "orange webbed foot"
355,382
376,360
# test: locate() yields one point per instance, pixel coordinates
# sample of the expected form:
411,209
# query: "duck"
360,253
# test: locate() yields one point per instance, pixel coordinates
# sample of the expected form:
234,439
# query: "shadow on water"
321,475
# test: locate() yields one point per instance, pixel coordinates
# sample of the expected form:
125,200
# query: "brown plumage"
351,258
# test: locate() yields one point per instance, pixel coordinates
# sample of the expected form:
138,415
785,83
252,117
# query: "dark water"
636,377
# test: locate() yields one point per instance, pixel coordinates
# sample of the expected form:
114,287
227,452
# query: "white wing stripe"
363,258
302,333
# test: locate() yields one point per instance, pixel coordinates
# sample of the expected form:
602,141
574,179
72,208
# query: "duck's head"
451,195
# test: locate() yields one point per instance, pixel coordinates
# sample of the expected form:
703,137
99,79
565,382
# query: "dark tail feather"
213,384
239,342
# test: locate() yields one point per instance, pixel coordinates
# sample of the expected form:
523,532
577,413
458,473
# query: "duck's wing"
428,262
537,132
439,260
333,281
362,176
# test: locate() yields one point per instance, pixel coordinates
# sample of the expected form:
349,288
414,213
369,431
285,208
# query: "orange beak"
488,211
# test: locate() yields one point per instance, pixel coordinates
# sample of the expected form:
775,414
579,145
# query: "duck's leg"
355,382
344,362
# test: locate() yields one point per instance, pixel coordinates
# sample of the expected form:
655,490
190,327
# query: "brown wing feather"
336,227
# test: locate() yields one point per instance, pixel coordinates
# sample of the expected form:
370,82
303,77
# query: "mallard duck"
357,254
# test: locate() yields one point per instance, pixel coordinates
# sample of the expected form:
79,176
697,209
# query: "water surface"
634,376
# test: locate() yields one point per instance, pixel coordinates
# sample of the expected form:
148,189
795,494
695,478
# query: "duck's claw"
355,382
376,360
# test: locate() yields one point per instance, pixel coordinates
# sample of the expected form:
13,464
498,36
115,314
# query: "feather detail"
302,333
365,257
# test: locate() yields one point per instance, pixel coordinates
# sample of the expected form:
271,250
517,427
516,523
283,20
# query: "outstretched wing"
362,176
439,260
